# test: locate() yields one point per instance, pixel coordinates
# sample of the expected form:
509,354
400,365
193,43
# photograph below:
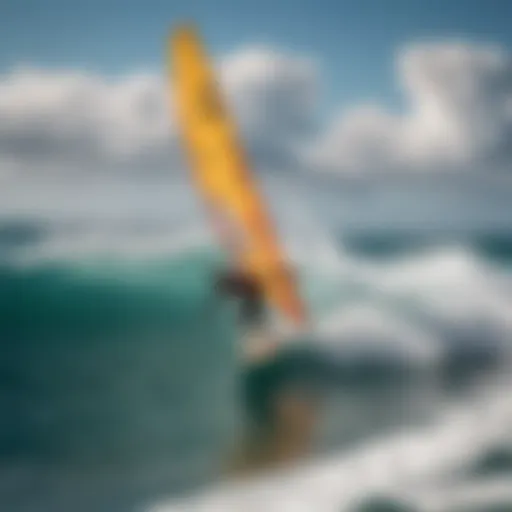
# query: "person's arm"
242,287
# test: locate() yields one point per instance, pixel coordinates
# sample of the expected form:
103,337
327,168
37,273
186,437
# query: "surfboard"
222,176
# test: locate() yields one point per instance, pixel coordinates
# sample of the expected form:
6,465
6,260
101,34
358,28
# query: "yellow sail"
222,175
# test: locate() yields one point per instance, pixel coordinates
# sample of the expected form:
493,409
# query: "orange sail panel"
222,175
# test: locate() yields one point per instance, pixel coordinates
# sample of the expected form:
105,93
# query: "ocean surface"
118,371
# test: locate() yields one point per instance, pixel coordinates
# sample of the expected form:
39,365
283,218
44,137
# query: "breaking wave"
118,380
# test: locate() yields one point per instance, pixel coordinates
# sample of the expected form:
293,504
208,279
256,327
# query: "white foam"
391,466
404,298
472,495
108,241
368,329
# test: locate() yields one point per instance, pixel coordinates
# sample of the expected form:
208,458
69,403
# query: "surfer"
279,416
279,409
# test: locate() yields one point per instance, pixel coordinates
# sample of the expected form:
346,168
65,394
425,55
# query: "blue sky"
353,40
355,87
408,90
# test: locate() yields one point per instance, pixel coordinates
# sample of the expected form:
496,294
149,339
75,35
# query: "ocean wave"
494,246
414,465
116,356
418,304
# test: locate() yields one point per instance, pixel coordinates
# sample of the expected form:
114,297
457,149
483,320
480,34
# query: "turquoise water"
118,376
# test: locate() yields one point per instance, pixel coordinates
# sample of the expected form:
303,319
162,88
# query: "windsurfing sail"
222,175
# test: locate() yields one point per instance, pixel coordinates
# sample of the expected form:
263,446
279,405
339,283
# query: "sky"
355,40
390,90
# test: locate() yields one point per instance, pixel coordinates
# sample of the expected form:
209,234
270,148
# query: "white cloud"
458,116
80,120
275,99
